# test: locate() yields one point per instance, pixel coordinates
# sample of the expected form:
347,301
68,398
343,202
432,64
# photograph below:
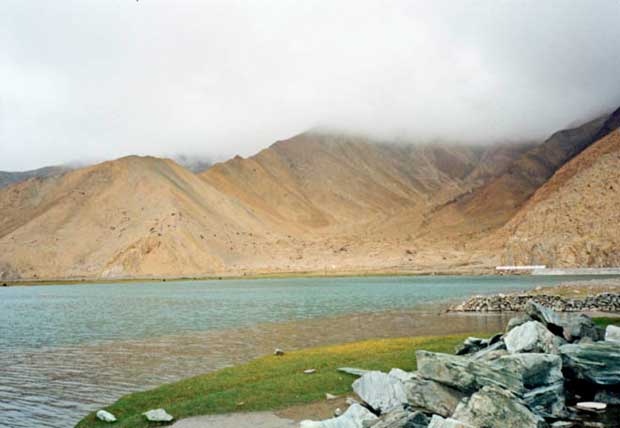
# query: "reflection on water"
55,387
66,350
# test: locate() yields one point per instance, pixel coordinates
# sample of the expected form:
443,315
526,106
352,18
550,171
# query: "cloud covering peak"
89,79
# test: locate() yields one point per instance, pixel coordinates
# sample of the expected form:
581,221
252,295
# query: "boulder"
518,373
532,337
547,401
597,363
495,408
439,422
105,416
355,417
158,415
401,418
608,397
401,375
612,333
579,327
380,391
453,371
491,352
570,327
517,321
432,397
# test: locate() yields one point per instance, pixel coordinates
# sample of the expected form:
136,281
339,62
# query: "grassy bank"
272,382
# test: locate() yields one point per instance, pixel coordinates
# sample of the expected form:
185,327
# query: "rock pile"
545,371
602,302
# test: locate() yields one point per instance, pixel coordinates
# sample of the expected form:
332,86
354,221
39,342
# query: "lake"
66,350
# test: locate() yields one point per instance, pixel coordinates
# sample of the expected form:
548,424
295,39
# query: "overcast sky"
99,79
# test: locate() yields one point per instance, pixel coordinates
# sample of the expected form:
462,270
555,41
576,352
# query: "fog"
85,80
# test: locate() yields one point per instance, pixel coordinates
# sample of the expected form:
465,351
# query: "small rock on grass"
329,396
105,416
278,352
158,415
310,371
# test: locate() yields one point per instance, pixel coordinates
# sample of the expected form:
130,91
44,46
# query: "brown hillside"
573,219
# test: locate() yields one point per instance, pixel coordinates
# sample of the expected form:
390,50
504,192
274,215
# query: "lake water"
66,350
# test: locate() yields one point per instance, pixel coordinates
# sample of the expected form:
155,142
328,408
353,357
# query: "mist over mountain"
100,80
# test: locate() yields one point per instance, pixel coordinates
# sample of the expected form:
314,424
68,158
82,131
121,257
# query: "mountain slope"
492,205
573,219
7,178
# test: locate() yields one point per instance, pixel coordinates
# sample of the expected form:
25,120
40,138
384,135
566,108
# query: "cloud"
90,79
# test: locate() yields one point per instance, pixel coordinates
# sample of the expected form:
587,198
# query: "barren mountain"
573,219
317,202
7,177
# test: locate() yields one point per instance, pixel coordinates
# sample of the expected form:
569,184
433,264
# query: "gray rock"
432,396
401,375
355,417
545,315
158,415
609,397
380,391
598,362
517,321
471,345
592,406
353,371
612,333
105,416
532,337
495,408
547,401
400,418
570,327
454,371
491,352
516,372
439,422
577,327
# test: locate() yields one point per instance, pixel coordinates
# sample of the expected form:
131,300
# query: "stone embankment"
544,371
602,302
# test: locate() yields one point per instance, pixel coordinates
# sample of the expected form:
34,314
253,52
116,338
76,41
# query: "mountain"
491,206
323,202
572,220
7,178
314,202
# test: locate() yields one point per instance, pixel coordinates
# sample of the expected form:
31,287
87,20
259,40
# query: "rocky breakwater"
543,372
602,302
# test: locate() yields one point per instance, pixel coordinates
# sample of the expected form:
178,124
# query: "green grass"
271,382
605,321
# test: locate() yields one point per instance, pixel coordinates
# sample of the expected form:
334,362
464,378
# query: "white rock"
337,412
158,415
329,396
612,333
401,375
532,336
591,405
354,417
439,422
310,371
353,371
105,416
381,391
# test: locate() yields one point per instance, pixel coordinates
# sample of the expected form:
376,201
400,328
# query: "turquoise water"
68,349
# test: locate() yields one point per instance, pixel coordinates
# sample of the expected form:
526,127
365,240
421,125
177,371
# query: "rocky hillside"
573,219
323,203
7,178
